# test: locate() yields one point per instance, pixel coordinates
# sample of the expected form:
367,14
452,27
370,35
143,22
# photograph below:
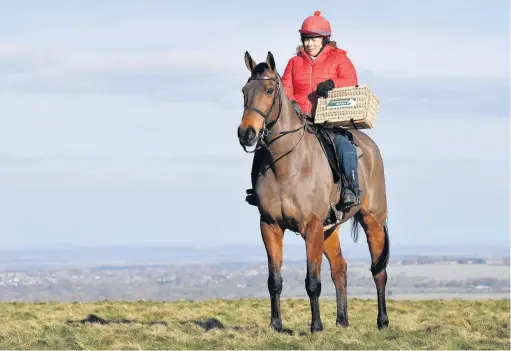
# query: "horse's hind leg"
338,268
314,239
378,241
273,236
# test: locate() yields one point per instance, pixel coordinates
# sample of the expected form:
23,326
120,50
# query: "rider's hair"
326,39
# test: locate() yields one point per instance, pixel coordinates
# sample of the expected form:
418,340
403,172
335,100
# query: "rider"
320,64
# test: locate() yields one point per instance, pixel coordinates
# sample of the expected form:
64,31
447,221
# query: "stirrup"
334,217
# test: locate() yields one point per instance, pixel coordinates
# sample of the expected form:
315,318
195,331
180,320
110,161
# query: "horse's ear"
270,61
249,62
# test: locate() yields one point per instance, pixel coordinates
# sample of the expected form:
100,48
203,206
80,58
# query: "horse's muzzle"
247,136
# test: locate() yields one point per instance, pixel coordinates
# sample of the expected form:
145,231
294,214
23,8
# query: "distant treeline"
454,260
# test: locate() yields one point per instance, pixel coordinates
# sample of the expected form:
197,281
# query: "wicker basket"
345,107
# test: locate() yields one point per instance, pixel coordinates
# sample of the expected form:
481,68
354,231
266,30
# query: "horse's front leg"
273,236
314,239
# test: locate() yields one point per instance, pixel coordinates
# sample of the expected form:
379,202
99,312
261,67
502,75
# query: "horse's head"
260,94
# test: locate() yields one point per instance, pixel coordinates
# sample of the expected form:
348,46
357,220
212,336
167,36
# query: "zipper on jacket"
310,78
309,104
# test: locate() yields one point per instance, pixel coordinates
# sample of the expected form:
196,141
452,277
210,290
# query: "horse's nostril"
247,136
241,132
250,133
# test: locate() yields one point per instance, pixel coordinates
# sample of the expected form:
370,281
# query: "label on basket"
340,103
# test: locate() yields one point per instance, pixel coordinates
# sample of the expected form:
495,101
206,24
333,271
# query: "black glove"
325,87
296,107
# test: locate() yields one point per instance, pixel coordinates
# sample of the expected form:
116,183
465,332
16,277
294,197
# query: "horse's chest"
292,200
284,204
291,211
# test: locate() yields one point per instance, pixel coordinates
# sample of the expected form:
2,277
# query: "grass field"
244,324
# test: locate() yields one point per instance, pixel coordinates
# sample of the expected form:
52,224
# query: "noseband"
267,126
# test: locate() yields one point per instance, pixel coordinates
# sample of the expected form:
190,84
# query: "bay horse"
296,188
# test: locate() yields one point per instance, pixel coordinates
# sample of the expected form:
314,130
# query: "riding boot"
349,198
251,197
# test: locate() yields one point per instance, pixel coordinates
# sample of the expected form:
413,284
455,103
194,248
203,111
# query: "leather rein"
267,126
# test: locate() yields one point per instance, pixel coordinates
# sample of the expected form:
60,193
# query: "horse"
296,187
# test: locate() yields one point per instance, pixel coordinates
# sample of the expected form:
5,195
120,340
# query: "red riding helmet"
316,25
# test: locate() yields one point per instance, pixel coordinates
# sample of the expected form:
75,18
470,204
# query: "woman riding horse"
319,63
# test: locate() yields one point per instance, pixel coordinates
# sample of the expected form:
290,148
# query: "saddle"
326,135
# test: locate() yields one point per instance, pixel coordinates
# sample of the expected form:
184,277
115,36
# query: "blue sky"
119,118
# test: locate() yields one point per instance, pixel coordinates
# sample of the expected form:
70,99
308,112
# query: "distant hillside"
67,256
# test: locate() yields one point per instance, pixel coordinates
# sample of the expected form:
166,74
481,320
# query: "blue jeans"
348,160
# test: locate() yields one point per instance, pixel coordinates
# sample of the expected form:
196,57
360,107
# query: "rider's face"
312,45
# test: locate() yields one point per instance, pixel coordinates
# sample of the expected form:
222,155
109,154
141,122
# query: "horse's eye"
269,91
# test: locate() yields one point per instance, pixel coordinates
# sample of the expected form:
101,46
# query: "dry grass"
450,324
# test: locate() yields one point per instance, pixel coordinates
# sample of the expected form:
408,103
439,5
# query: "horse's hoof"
316,327
383,323
343,323
276,325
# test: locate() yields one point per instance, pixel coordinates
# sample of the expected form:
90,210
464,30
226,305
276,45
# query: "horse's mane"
259,69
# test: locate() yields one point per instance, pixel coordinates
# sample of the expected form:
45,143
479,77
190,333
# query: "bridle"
266,130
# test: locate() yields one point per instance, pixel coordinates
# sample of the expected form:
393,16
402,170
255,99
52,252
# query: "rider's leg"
348,161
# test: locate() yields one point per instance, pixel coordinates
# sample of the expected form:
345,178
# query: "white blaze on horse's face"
313,45
258,97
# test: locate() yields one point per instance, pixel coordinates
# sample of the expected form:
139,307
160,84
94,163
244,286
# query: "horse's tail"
356,222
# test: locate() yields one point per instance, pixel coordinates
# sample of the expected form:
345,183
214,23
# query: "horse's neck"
288,150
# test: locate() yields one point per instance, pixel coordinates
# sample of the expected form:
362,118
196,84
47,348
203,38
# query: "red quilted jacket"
302,74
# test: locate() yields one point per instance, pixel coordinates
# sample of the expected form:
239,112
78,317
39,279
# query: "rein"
266,130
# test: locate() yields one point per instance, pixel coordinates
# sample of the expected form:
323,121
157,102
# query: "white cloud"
145,44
